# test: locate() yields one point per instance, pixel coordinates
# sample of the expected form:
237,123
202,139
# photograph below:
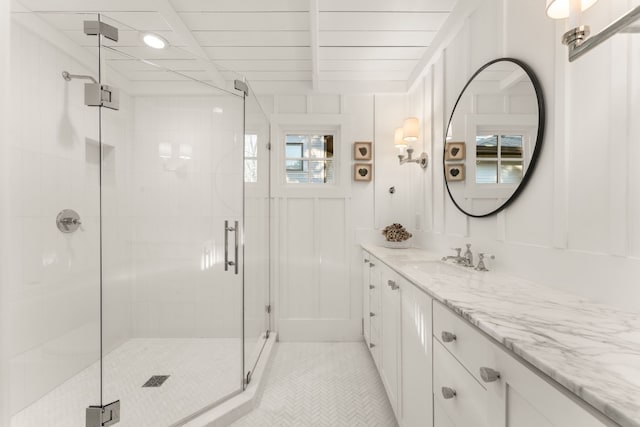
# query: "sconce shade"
164,150
411,129
398,139
560,9
186,151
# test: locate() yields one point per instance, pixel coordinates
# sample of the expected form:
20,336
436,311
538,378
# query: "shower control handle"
228,263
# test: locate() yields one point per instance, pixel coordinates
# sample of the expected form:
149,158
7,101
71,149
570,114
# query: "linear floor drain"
156,381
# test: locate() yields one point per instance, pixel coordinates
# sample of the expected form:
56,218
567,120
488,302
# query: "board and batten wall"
314,250
576,227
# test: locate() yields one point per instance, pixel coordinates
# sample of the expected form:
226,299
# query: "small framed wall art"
455,172
454,151
362,151
362,171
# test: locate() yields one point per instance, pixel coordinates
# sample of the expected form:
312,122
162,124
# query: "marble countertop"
591,349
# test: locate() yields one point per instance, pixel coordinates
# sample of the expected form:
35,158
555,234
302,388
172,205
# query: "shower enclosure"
140,280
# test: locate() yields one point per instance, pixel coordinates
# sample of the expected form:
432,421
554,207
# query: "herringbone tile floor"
321,384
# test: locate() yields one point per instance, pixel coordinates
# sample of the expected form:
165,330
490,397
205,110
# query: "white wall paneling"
576,225
316,256
5,245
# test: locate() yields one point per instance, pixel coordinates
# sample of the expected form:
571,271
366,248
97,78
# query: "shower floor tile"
201,372
321,384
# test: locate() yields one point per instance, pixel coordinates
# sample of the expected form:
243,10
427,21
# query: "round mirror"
494,137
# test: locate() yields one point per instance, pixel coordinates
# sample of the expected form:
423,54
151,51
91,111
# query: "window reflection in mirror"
499,159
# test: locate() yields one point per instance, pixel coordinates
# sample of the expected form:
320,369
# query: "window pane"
322,146
299,175
511,172
322,172
295,165
487,146
294,149
251,145
511,146
487,172
250,170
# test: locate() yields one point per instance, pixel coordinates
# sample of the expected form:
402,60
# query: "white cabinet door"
366,320
390,323
375,309
521,398
417,398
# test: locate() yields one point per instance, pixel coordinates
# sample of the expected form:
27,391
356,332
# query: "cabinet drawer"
468,345
469,406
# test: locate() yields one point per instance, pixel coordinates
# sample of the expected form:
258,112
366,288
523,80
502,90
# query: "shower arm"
68,77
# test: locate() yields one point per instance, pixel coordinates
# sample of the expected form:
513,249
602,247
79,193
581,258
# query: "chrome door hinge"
266,334
96,28
268,308
99,95
241,86
103,416
247,379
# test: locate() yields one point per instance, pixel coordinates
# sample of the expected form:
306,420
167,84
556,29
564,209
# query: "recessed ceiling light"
155,41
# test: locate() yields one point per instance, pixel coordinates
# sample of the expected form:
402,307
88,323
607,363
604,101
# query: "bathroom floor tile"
321,384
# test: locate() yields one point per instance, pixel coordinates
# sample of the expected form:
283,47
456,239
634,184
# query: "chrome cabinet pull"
448,392
371,264
366,261
371,345
392,285
448,336
371,287
228,263
371,314
489,375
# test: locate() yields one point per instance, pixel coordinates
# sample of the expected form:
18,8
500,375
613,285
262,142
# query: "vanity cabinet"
390,349
441,371
491,387
416,356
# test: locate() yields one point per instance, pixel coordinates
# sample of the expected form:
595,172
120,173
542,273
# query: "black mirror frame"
539,137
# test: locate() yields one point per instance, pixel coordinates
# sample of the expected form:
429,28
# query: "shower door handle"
228,263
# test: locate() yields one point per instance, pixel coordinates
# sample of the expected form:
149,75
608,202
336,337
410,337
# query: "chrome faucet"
469,255
458,259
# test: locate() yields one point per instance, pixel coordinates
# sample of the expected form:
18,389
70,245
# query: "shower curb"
243,403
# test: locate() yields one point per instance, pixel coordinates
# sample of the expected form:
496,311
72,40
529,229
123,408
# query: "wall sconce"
577,38
409,133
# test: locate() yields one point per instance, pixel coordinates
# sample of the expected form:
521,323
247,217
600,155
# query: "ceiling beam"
512,79
314,31
183,32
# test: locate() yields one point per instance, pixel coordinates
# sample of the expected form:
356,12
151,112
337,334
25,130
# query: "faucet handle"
481,266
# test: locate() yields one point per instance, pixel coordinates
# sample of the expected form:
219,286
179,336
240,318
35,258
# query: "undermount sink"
439,266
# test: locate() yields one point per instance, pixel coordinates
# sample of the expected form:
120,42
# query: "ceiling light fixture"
155,41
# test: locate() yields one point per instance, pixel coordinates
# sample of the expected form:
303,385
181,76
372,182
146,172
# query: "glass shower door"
54,272
172,218
257,231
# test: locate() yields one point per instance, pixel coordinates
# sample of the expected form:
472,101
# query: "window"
309,159
499,159
250,158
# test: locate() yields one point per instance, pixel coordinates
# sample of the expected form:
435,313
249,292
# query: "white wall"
576,225
4,208
314,247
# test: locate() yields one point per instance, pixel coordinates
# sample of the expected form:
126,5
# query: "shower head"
68,77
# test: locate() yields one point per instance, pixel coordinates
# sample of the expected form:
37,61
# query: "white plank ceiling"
281,46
